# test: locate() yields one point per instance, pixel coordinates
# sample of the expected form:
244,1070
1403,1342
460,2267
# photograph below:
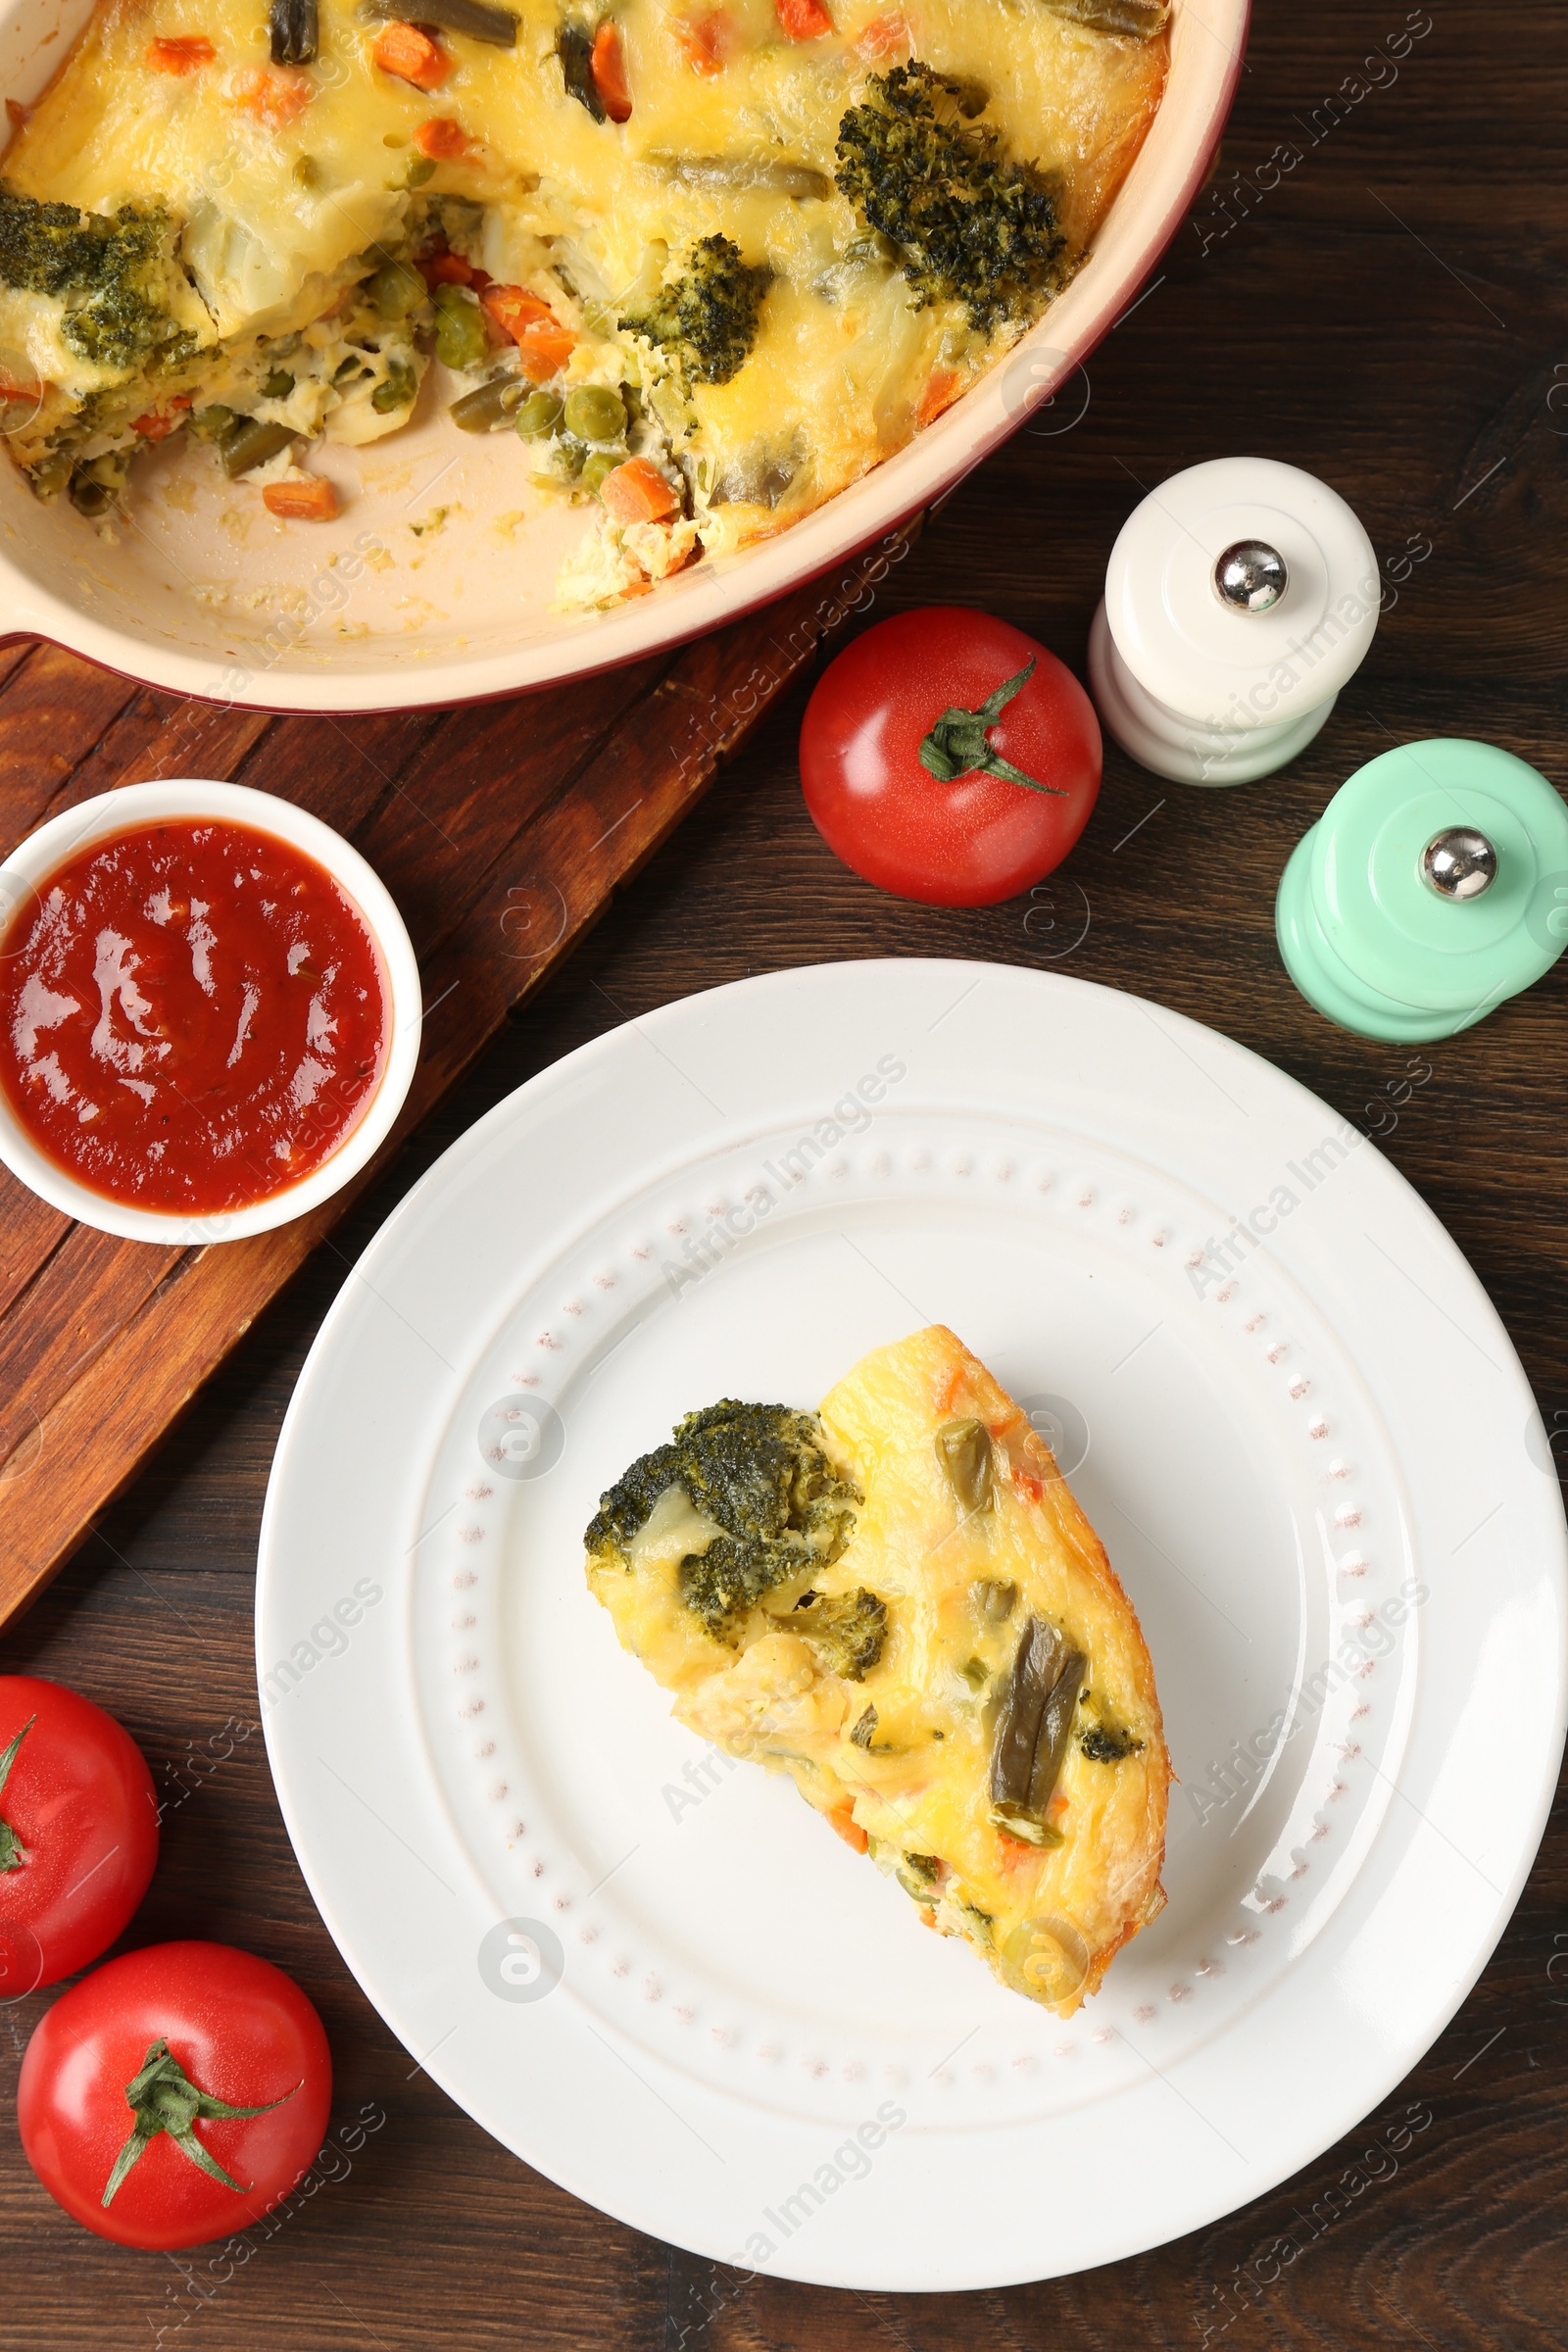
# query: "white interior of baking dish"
434,584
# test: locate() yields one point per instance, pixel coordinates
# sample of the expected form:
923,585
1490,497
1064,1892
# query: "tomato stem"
12,1854
163,2098
957,745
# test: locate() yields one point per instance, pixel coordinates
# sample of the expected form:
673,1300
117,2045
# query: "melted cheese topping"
914,1786
278,205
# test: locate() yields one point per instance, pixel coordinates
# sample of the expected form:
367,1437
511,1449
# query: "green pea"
419,171
249,443
277,385
395,289
51,477
212,423
460,336
307,171
595,468
594,413
540,414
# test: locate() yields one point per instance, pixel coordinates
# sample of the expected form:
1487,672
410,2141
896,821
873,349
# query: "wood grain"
1393,315
502,831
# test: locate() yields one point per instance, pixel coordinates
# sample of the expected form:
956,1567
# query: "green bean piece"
395,290
993,1600
277,385
1055,1730
1133,20
497,26
963,1448
1033,1725
50,478
460,336
540,414
594,412
212,423
575,49
249,443
307,171
865,1729
295,31
721,172
488,405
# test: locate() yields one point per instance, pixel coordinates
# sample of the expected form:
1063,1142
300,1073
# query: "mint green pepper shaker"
1432,887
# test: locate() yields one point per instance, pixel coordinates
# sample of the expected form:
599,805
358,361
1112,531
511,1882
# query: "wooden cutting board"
501,830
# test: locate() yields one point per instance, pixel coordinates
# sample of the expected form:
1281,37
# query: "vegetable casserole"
707,261
900,1603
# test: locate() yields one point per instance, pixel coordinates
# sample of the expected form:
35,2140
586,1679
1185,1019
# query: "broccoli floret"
114,268
1106,1742
970,225
846,1631
759,1473
709,318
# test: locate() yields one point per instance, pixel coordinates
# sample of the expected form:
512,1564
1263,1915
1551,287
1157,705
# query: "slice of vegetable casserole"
708,261
900,1603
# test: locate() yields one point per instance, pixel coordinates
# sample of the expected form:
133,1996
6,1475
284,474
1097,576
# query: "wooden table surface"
1375,287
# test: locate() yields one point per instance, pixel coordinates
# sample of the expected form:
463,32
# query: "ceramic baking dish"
433,585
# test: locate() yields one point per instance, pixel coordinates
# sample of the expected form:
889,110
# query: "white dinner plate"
1285,1403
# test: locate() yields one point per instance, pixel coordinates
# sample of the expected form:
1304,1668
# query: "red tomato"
975,837
187,2030
79,1831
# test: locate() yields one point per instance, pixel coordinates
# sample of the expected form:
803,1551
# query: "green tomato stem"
958,744
163,2098
12,1854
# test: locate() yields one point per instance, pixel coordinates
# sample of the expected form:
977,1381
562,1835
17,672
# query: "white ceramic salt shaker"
1240,597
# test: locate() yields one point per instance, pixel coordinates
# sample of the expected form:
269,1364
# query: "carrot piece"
411,56
707,40
841,1819
514,308
942,387
311,500
441,139
544,350
883,37
159,423
179,53
11,389
608,66
273,96
637,492
445,270
803,20
544,344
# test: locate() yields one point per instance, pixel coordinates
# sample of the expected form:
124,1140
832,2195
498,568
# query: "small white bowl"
132,804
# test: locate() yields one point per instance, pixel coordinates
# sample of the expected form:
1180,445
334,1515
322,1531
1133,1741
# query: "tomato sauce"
193,1016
